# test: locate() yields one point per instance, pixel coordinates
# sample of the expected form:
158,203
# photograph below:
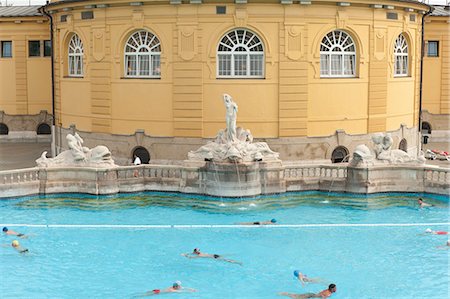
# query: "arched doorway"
142,153
403,145
44,129
426,128
4,130
340,154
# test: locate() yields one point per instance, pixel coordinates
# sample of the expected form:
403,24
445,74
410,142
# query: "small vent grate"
221,10
392,16
86,15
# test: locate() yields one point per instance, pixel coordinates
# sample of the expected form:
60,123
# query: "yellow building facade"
25,69
308,77
436,70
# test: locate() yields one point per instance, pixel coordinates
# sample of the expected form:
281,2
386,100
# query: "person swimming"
16,245
323,294
433,232
267,222
10,232
305,279
175,288
196,253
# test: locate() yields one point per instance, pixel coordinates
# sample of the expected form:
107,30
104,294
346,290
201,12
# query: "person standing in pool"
324,294
10,232
196,253
175,288
267,222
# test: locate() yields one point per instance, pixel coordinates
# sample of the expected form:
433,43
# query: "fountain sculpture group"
231,165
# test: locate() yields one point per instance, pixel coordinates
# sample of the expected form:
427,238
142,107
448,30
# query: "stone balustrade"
226,180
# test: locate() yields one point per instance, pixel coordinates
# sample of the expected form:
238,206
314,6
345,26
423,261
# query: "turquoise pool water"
123,246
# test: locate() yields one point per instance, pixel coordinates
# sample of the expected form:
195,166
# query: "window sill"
141,78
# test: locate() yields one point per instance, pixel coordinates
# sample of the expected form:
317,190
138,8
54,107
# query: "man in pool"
10,232
267,222
196,253
16,245
324,294
445,247
423,204
175,288
436,232
305,279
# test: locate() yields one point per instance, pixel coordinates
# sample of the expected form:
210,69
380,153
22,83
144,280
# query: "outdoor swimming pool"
122,246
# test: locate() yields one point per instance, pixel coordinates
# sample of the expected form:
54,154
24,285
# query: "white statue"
78,155
231,115
233,144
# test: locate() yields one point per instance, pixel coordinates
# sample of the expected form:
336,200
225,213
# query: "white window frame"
75,59
401,61
240,47
144,48
337,46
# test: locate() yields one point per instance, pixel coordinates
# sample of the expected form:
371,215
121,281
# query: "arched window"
76,52
43,129
4,130
403,145
340,154
240,55
143,56
142,153
337,55
426,128
401,56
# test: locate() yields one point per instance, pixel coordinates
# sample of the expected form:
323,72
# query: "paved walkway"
23,155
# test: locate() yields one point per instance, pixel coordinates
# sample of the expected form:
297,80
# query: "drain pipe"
422,54
53,146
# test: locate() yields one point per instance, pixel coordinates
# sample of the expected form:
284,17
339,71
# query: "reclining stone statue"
78,155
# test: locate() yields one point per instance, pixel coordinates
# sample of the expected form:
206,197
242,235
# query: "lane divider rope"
164,226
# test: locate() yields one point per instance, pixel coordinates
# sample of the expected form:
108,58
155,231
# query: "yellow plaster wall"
292,99
436,70
25,82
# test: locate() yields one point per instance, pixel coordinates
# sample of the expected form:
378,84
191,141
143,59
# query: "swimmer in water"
267,222
444,247
434,232
324,294
305,279
423,204
16,245
175,288
10,232
196,253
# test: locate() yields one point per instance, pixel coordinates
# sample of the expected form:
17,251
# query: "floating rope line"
163,226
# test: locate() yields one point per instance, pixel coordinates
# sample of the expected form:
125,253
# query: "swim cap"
296,273
15,243
177,284
428,230
273,220
5,229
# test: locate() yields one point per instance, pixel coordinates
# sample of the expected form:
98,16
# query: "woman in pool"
305,279
324,294
10,232
197,254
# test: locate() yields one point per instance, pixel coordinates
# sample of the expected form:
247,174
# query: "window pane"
324,64
349,65
156,65
224,65
398,65
6,49
78,65
130,62
47,48
336,64
71,65
34,48
405,65
256,65
240,64
144,65
433,48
